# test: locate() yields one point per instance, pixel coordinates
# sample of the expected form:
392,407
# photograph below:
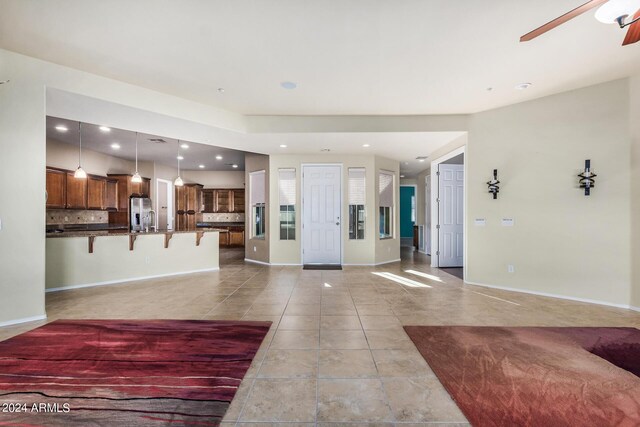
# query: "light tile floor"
336,353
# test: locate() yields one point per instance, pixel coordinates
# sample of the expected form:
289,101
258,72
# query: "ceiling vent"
422,157
158,140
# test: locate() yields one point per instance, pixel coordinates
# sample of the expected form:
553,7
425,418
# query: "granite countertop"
88,233
219,224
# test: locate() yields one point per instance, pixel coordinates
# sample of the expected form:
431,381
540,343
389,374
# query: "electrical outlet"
66,219
147,260
511,268
254,249
0,224
93,218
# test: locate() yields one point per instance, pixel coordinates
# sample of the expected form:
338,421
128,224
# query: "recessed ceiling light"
523,86
180,158
218,157
366,145
185,146
61,128
201,166
221,89
105,129
406,163
288,85
421,160
283,145
115,146
234,166
401,176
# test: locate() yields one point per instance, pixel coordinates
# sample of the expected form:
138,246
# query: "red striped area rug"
125,372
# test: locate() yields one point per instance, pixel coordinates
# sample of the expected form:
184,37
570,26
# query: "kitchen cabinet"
236,236
140,189
238,201
76,189
193,198
223,200
111,195
223,239
56,189
95,192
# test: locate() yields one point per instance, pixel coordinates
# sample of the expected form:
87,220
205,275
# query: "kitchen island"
99,257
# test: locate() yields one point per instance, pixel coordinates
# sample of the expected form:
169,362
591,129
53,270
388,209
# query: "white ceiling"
382,57
163,153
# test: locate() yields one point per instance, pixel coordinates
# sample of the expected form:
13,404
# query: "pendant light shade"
178,182
80,173
136,176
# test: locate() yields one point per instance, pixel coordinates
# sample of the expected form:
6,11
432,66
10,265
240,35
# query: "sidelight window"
257,189
356,203
287,191
386,203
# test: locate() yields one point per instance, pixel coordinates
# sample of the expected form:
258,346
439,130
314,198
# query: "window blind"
287,184
386,189
356,186
258,189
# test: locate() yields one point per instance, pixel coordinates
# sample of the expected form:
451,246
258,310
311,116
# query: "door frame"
342,214
427,214
435,220
170,212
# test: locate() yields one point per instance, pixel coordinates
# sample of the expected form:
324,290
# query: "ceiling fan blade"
562,19
633,33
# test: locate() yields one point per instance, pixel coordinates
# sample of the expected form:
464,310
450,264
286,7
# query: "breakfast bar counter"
98,257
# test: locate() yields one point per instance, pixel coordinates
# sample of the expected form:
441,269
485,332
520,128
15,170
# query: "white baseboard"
133,279
284,264
546,294
634,308
23,320
256,261
387,262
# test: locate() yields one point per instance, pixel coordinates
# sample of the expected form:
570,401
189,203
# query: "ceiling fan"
625,13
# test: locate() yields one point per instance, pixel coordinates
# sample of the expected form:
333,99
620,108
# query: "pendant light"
136,176
178,182
80,173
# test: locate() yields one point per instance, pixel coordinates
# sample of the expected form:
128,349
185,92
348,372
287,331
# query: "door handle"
337,223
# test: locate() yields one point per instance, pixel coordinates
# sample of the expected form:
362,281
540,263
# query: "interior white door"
321,214
450,215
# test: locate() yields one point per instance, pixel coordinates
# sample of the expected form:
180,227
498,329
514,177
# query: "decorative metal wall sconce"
587,178
494,188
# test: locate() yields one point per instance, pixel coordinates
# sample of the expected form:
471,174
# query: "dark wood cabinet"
223,239
193,198
95,192
111,195
223,200
181,201
76,192
189,204
236,236
56,189
238,201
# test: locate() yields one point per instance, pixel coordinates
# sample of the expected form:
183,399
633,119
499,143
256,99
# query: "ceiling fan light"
80,173
178,182
136,177
609,12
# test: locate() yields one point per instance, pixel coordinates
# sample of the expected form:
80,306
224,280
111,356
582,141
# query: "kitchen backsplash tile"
223,217
68,216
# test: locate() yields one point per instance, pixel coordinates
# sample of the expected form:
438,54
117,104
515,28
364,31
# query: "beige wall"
69,264
256,249
634,115
355,251
563,243
216,179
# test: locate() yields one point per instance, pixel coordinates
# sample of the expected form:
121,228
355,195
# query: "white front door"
321,214
450,215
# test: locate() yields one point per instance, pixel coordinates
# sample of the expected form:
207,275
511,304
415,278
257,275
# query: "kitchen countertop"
219,224
89,233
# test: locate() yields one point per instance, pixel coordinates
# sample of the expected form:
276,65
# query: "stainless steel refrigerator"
140,213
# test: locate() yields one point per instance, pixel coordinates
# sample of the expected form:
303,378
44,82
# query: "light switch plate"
507,222
480,222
